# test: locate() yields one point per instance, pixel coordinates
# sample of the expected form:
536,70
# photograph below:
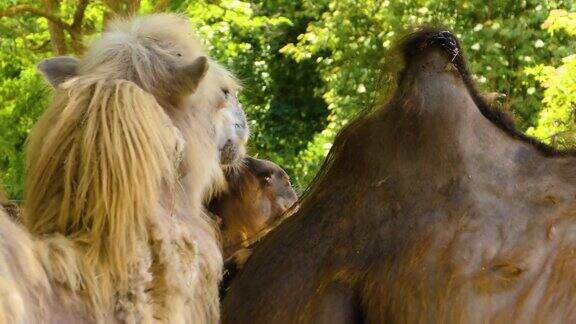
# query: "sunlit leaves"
349,39
308,67
556,121
561,20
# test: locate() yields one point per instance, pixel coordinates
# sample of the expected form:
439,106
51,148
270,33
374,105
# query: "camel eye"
268,179
226,93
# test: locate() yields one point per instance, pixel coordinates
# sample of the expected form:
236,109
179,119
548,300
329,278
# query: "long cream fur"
118,167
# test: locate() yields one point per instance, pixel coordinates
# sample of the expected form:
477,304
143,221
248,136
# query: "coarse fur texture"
257,194
11,208
118,169
433,208
256,199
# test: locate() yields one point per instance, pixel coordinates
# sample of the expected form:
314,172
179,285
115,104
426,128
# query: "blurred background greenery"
307,66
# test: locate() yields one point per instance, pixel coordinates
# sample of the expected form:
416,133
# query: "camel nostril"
227,144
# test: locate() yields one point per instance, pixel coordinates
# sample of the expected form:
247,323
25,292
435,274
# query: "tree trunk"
76,31
57,38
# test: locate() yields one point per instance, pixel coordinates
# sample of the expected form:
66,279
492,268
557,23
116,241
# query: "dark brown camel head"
258,193
433,208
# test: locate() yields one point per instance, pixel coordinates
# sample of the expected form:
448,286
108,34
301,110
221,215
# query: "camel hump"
427,40
435,80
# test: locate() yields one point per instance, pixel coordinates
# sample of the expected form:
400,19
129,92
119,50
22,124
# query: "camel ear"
260,168
189,76
253,164
58,69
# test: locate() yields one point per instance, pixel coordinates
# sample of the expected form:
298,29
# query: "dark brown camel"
431,209
258,193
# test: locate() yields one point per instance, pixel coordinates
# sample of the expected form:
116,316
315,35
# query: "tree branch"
18,9
79,14
76,27
41,46
56,31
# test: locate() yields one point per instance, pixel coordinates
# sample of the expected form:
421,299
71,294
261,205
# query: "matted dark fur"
13,210
433,208
10,207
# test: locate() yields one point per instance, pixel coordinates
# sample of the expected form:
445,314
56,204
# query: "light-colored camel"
119,165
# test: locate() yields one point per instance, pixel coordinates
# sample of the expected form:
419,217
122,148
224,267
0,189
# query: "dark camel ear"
58,69
256,166
262,169
188,77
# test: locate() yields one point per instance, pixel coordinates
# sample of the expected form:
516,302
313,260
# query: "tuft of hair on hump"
96,162
430,38
11,208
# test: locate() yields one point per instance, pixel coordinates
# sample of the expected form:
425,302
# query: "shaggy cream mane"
118,168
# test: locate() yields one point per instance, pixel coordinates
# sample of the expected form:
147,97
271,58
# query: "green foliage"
22,94
23,99
308,67
349,40
561,20
556,121
279,93
24,41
